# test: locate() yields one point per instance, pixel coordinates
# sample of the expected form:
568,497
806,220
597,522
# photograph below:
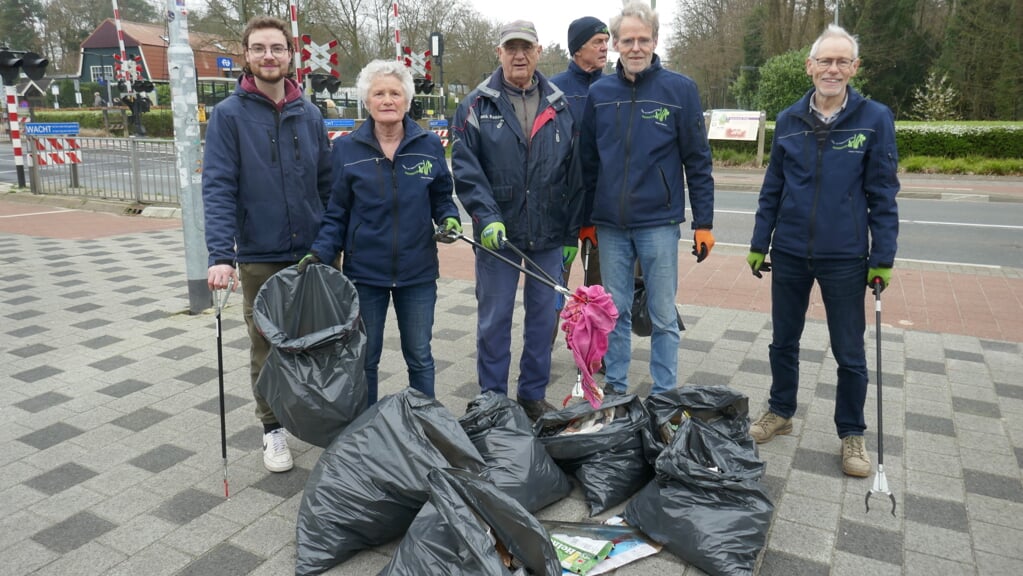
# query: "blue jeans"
656,249
843,286
496,287
414,307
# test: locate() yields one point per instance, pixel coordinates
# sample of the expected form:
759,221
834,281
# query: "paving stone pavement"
112,442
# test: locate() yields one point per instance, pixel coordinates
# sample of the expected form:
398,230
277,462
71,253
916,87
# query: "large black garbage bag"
314,378
608,462
370,483
706,503
460,531
722,408
517,462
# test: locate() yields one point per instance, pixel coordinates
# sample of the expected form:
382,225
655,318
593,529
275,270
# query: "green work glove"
757,263
568,256
493,236
452,224
885,274
306,260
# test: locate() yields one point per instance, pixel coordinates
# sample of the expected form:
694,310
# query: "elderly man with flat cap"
587,43
516,173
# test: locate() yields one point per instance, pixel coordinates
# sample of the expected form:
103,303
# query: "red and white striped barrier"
331,134
57,151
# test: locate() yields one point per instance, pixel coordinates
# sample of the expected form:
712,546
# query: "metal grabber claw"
880,481
880,487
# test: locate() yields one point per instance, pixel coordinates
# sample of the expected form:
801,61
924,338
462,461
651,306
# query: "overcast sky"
552,17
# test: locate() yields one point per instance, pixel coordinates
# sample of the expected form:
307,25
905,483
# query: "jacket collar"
493,87
653,68
365,134
292,91
584,76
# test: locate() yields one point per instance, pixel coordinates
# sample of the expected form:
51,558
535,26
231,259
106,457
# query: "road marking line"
39,213
964,224
947,263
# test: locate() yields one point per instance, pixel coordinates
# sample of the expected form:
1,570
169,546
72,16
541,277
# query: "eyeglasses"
513,49
626,44
277,50
844,64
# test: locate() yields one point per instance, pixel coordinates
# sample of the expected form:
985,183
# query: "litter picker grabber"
880,481
220,300
450,236
589,312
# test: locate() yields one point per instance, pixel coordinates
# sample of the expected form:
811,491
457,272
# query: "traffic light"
423,85
12,64
417,110
142,86
9,67
328,82
34,65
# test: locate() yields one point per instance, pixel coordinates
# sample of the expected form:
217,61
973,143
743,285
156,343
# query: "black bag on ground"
641,323
706,504
470,527
314,378
517,462
370,483
721,407
608,462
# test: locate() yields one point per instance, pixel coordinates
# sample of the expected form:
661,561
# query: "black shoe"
609,390
536,408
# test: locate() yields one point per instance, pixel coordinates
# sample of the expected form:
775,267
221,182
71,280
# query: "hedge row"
914,139
941,140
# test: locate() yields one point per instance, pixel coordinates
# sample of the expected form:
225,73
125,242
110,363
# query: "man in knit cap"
587,43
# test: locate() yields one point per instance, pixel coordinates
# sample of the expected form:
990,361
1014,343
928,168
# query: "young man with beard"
266,182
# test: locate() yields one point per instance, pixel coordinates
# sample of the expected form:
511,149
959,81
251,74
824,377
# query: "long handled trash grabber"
220,300
448,237
880,481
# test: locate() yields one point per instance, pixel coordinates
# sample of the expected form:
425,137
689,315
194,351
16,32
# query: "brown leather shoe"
768,426
536,408
855,460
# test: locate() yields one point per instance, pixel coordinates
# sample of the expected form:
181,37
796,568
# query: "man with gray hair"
642,141
515,169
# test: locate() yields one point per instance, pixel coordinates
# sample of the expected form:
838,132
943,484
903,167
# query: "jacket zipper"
623,200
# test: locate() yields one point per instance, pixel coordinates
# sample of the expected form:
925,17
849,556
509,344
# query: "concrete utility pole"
187,145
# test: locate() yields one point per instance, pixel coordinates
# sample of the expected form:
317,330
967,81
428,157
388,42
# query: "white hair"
378,68
835,31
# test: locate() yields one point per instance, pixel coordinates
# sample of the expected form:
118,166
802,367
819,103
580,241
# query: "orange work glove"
703,243
588,233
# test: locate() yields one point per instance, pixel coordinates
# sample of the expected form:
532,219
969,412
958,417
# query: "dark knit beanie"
580,31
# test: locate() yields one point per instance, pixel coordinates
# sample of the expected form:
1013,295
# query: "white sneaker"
276,454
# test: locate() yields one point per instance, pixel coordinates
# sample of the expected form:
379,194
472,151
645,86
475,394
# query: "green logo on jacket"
661,114
424,168
853,143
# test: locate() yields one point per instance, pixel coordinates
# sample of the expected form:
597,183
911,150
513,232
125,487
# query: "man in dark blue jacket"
642,141
265,183
587,43
828,215
514,163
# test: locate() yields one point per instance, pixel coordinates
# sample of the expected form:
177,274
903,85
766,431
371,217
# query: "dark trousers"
843,287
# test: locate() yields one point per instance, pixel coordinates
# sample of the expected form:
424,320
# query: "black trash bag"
706,504
370,483
721,407
641,323
517,462
314,378
470,527
610,462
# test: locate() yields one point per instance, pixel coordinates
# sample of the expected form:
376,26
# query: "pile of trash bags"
461,493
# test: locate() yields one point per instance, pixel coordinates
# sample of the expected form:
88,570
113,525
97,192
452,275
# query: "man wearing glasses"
265,183
828,215
516,174
642,141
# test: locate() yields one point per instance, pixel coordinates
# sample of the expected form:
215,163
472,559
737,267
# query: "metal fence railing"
132,169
